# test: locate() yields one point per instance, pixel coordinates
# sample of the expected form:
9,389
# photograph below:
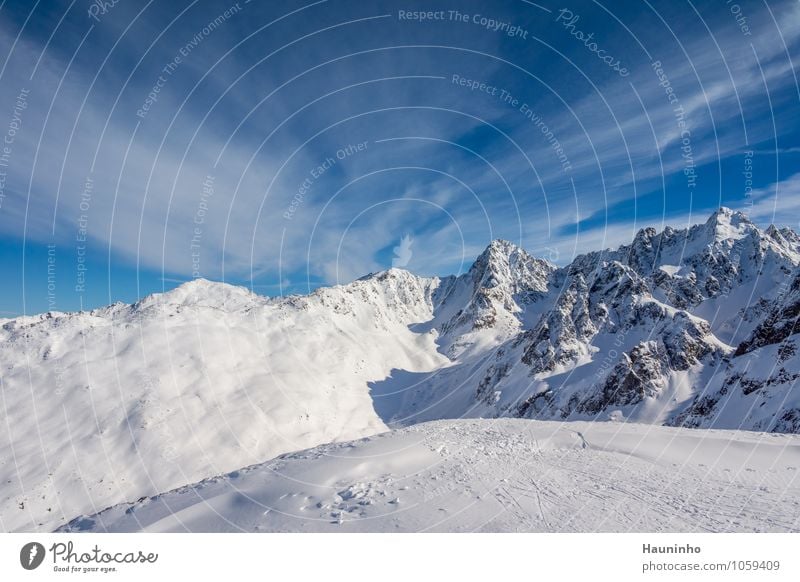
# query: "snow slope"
126,401
757,387
495,475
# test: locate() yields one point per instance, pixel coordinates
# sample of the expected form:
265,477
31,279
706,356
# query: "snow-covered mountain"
692,327
131,400
494,475
641,333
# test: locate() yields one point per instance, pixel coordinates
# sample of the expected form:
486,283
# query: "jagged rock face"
645,304
640,332
756,389
643,371
687,341
504,269
561,335
501,282
641,374
704,261
780,323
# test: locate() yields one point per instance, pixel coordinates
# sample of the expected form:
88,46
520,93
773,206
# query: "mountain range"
691,327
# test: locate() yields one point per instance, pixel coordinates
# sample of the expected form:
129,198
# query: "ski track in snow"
496,475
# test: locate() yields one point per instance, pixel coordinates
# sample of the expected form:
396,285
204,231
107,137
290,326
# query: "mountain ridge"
692,327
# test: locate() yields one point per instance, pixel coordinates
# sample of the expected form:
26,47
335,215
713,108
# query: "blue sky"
287,145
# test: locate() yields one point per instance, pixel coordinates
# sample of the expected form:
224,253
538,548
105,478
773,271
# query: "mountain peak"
202,292
504,264
390,274
502,245
201,286
725,215
498,251
497,256
726,224
199,283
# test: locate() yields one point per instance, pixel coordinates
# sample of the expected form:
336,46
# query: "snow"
728,225
495,475
670,269
106,406
756,390
128,401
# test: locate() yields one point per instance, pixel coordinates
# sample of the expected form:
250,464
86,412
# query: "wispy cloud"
449,165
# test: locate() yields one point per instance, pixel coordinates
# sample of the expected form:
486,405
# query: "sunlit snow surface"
496,475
